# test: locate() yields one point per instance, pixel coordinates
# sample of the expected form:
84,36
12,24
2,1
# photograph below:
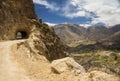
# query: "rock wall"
44,41
19,15
15,15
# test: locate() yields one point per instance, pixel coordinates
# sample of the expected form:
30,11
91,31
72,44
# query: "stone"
67,64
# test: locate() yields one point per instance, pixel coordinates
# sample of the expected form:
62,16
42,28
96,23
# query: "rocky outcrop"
44,41
19,21
67,64
15,16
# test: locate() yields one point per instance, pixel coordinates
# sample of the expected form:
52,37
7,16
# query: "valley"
93,47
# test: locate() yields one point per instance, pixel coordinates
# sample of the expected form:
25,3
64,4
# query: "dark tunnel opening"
21,35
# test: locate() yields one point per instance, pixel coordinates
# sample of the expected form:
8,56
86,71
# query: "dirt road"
9,70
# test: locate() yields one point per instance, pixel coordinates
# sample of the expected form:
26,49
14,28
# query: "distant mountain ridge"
72,32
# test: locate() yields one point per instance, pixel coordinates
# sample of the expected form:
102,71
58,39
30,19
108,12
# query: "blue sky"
82,12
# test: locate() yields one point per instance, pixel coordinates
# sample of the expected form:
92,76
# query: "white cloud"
74,14
85,25
51,6
50,24
71,10
107,11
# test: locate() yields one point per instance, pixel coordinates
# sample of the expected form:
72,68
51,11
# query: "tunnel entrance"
21,35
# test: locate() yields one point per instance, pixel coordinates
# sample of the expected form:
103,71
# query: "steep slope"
112,42
97,33
115,28
46,42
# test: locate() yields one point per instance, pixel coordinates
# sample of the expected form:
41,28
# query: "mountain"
115,28
112,42
70,33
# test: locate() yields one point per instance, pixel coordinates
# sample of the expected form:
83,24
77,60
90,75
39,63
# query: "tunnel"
21,35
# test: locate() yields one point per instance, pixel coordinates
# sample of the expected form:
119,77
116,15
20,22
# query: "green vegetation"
110,60
75,44
105,60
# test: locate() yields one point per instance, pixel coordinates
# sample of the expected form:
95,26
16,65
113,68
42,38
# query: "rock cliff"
15,15
19,21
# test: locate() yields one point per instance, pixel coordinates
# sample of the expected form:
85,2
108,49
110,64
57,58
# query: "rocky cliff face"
44,41
18,20
15,16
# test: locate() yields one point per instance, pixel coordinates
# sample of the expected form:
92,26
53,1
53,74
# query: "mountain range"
71,33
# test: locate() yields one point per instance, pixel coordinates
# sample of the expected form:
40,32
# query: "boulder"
67,64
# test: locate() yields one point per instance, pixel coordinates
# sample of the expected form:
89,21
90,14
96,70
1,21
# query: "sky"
82,12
